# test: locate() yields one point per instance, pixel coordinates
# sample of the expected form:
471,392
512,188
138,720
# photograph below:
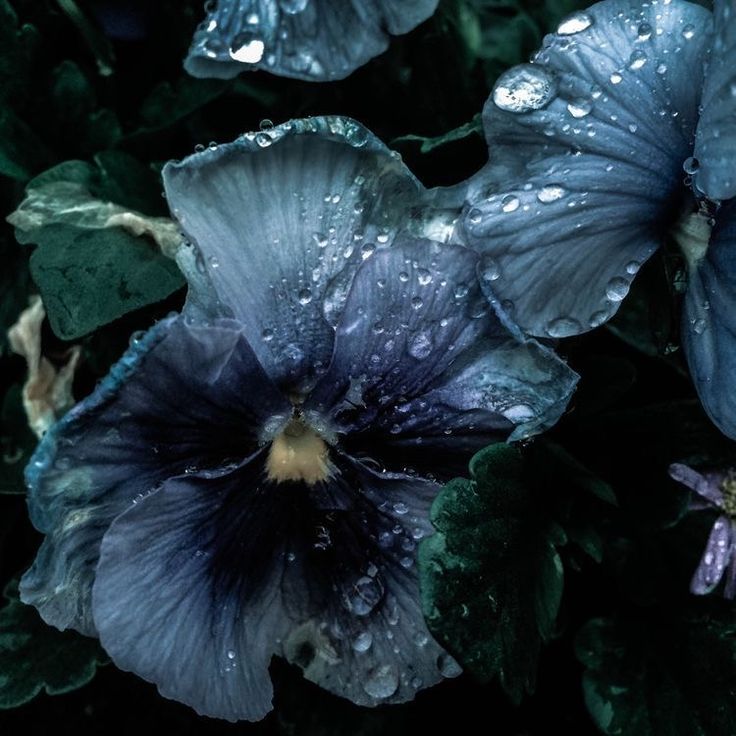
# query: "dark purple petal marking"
709,322
419,351
716,557
203,580
715,144
281,219
182,397
315,40
586,151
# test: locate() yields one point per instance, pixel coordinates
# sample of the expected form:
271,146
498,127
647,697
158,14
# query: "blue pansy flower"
254,475
315,40
717,491
619,135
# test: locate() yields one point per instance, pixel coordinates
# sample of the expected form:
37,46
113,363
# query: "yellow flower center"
728,488
298,453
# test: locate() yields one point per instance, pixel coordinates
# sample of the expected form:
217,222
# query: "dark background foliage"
585,549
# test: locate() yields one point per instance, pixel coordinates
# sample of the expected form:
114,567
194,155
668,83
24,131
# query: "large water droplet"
644,32
420,345
447,666
363,596
362,642
617,288
524,88
574,23
637,59
688,31
383,681
424,277
563,327
304,296
551,193
247,48
691,165
292,7
489,269
510,203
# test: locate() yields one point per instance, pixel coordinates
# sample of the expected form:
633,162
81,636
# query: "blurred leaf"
14,286
21,151
491,576
669,674
35,657
90,277
17,442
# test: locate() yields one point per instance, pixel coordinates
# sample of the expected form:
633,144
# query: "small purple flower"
315,40
717,490
253,477
618,137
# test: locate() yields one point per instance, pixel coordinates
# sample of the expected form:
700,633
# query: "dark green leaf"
661,672
88,278
35,657
14,286
21,151
491,576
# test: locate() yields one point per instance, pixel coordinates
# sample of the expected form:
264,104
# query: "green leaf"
492,577
35,657
662,672
21,151
90,277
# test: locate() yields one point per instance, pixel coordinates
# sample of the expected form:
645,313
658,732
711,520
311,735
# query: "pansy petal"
203,580
281,219
715,558
706,485
181,397
715,144
315,40
366,638
421,352
586,151
709,324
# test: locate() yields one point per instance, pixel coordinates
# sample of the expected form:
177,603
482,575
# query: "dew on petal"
383,681
247,48
363,641
563,327
524,88
551,193
617,288
574,23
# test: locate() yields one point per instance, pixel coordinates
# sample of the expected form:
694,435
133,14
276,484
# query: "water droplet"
688,31
489,269
383,681
421,345
574,23
661,68
367,250
247,48
563,327
417,302
447,666
644,32
267,335
304,296
424,277
637,59
616,78
401,508
691,165
231,654
699,326
551,193
524,88
598,318
475,216
403,276
617,288
292,7
263,139
633,267
510,203
362,597
579,108
214,263
362,642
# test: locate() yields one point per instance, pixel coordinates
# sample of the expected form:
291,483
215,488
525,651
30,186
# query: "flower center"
692,235
298,453
728,488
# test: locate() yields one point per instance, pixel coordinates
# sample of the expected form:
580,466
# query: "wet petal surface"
586,151
315,40
709,322
202,581
280,220
715,558
182,397
420,353
715,145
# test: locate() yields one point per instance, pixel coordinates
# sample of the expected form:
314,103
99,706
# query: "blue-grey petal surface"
280,220
181,398
706,485
421,353
586,147
715,144
314,40
203,580
709,322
